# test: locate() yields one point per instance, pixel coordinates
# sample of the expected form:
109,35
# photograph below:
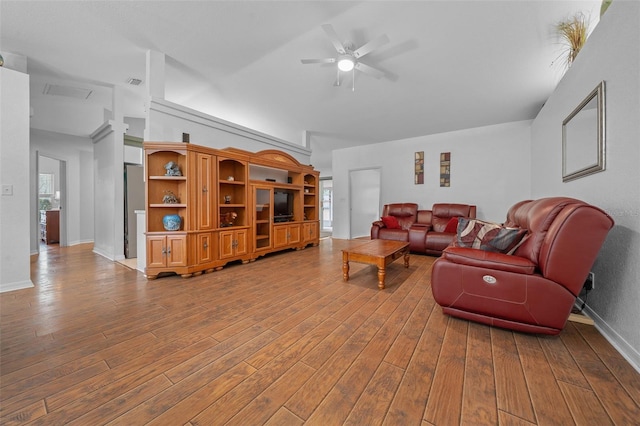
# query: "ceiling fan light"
346,63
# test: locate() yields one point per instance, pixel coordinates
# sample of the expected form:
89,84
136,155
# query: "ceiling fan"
348,59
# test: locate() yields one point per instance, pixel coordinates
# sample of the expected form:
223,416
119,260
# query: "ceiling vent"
134,81
68,91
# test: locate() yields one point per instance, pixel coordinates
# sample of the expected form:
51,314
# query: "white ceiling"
449,65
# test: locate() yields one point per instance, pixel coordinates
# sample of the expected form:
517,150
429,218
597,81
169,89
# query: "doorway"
364,200
51,175
133,200
326,206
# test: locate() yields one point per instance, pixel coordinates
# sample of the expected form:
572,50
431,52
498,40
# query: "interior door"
134,200
364,201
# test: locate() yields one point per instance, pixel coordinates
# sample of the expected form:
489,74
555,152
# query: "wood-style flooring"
284,341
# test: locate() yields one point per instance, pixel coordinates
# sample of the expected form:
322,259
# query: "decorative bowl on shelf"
172,222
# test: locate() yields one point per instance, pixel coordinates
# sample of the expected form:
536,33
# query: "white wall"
611,54
489,168
14,176
135,126
168,121
77,152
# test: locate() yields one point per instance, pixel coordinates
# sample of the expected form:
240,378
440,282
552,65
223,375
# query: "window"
45,186
45,190
326,188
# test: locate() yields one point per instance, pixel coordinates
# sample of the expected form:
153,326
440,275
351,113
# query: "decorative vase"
172,222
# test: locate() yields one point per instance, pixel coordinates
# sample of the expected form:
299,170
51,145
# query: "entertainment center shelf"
231,205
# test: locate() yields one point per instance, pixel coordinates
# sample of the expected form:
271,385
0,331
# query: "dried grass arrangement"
573,33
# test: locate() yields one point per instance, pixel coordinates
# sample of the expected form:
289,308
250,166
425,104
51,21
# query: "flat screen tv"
282,206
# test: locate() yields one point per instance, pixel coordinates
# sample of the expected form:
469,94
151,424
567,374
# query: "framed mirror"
583,137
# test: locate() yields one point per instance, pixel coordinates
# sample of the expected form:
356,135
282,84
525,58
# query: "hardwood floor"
284,341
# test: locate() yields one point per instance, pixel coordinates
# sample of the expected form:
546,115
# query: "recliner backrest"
443,212
564,237
405,213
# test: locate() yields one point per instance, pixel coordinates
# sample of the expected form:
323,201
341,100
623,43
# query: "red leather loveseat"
425,230
534,289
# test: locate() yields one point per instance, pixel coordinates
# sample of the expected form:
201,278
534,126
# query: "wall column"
155,90
15,227
108,169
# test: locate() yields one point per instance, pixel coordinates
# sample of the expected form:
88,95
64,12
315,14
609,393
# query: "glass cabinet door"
262,218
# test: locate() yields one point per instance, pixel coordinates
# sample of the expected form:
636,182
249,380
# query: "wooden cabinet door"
310,231
233,243
284,235
204,248
293,234
53,226
226,244
156,251
205,191
280,238
241,241
176,250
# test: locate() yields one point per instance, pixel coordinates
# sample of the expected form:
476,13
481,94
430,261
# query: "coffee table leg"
381,275
345,266
406,259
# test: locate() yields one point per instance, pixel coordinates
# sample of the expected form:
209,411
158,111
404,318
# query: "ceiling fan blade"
318,61
369,70
333,36
372,45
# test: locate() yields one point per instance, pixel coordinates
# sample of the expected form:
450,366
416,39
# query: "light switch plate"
7,189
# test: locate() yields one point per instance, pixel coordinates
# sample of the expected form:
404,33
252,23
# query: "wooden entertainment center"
232,205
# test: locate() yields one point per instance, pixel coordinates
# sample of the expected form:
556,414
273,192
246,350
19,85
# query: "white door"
364,201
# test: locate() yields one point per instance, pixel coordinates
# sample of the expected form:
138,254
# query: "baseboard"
78,242
618,342
103,254
18,285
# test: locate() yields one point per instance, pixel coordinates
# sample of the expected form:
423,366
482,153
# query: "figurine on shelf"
227,219
170,198
172,169
227,199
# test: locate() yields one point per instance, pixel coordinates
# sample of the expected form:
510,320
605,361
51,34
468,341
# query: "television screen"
282,205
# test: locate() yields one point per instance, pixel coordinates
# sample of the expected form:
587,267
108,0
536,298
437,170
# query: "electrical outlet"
590,282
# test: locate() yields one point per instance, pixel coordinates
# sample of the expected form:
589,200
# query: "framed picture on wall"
419,168
445,169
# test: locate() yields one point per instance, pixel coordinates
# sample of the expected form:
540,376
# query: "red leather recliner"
436,240
534,289
405,213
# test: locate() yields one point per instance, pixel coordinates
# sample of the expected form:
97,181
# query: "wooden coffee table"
374,252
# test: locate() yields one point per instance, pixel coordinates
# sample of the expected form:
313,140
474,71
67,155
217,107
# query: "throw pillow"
487,236
390,222
452,226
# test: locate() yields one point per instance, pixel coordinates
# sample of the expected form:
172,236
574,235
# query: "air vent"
68,91
134,81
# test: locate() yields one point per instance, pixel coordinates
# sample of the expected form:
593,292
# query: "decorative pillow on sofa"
390,222
487,236
452,225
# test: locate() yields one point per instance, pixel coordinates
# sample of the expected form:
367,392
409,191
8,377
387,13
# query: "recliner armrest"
375,229
421,227
490,260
